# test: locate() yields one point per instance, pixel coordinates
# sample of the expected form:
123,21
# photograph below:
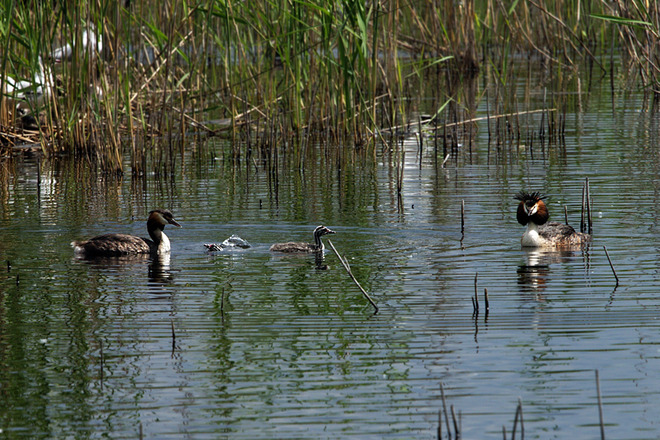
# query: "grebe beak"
531,211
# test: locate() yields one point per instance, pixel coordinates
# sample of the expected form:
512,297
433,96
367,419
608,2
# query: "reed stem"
348,270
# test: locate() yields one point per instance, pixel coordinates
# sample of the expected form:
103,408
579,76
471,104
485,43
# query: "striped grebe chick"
293,247
123,244
533,213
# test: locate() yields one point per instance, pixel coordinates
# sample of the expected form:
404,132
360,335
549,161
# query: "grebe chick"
123,244
533,213
293,247
232,242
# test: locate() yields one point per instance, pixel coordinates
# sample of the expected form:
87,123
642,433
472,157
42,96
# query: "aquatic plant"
280,77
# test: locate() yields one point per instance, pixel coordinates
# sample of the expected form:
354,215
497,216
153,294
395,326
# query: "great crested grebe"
293,247
124,244
30,95
533,213
91,42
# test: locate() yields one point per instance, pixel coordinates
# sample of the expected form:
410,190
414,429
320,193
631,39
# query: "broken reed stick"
565,214
456,426
600,407
348,269
586,224
444,408
445,161
462,219
611,265
589,221
173,334
519,415
475,298
486,300
583,227
468,121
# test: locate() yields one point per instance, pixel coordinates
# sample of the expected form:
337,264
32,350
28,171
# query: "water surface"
250,344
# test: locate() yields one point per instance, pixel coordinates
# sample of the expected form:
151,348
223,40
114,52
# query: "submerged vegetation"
142,80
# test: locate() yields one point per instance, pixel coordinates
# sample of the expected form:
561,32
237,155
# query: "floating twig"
348,269
600,408
611,265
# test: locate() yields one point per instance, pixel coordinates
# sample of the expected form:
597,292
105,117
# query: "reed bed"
281,78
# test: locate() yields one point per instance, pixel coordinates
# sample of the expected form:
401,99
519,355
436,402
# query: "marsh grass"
282,77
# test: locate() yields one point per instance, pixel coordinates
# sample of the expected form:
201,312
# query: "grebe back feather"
533,213
293,247
124,244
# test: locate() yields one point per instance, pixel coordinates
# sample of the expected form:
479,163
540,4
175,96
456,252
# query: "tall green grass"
281,76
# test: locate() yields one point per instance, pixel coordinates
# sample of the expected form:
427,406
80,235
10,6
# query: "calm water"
267,346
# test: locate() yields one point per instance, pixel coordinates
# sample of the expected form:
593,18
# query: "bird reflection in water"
158,266
534,274
159,269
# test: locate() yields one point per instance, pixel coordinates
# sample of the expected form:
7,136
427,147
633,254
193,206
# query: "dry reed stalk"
518,416
462,217
350,273
272,59
611,265
600,408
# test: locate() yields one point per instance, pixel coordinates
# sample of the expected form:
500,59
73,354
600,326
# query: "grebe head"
321,230
161,217
532,208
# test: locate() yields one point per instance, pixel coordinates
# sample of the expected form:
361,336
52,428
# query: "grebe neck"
531,237
317,241
161,241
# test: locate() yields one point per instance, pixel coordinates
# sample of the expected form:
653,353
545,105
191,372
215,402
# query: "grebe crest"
293,247
123,244
533,213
